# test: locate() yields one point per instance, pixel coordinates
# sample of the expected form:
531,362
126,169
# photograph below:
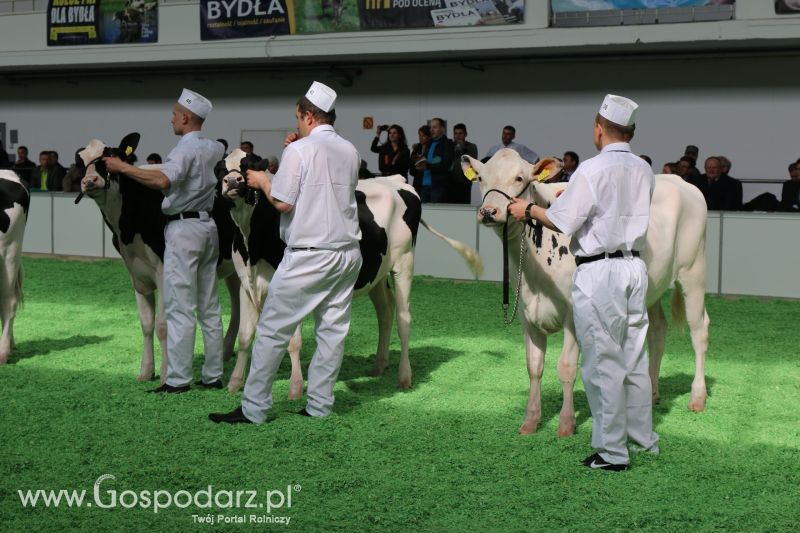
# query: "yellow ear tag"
128,150
470,174
543,175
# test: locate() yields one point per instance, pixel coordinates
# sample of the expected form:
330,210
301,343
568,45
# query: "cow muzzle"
489,215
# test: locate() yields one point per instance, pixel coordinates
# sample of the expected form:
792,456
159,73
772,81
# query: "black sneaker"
595,461
170,389
234,417
216,384
303,412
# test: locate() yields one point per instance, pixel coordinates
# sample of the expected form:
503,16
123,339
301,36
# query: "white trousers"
608,298
319,282
190,295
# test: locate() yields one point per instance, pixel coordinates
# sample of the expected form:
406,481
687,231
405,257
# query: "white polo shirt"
606,205
190,170
318,176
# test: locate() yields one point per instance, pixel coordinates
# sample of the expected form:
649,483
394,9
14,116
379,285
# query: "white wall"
743,108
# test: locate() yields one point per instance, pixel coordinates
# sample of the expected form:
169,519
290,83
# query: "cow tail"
678,307
18,286
470,255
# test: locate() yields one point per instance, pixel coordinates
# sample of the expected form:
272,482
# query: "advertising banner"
80,22
787,7
565,6
236,19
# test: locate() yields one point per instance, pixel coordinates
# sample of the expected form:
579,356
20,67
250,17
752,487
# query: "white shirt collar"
616,147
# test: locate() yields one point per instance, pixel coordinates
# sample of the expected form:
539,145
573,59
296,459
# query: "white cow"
389,213
133,213
675,252
14,202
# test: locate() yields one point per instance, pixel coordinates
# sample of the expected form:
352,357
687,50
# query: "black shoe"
303,412
170,389
216,384
234,417
595,461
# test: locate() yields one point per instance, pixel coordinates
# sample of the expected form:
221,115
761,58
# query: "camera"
383,127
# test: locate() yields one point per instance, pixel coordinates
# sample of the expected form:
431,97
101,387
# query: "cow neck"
242,214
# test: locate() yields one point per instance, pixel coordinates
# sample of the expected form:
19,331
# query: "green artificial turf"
442,456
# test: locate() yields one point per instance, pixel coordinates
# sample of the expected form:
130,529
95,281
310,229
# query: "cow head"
234,185
505,176
89,161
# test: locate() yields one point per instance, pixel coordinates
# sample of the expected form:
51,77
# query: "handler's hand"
258,179
517,209
115,165
292,137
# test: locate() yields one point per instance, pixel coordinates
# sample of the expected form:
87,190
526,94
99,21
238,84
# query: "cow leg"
656,341
8,308
247,328
694,292
296,379
161,325
535,347
232,283
381,300
147,318
402,292
567,370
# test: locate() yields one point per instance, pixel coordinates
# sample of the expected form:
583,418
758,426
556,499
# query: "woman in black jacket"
393,156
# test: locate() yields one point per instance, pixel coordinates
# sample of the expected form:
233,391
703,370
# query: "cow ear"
129,143
546,168
471,167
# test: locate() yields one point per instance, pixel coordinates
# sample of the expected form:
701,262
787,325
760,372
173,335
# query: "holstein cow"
675,252
389,214
14,202
133,213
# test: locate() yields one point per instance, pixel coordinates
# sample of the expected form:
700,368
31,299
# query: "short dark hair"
54,153
573,155
23,148
512,129
792,166
425,129
154,157
44,152
689,159
246,142
460,126
623,132
647,158
439,120
304,105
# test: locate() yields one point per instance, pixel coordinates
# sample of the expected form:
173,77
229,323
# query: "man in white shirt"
606,208
314,189
192,244
507,141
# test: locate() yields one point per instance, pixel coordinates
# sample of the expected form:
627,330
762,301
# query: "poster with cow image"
236,19
81,22
399,14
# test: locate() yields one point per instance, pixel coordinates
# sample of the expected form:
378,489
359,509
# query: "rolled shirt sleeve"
176,166
571,210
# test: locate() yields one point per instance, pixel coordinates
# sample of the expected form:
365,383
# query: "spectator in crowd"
725,166
571,162
364,173
247,147
416,168
272,164
393,156
56,164
670,168
722,193
23,166
437,164
685,168
5,162
790,194
647,158
507,141
461,187
71,182
154,159
46,177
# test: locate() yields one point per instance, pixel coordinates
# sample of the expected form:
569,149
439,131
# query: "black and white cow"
14,202
389,214
133,213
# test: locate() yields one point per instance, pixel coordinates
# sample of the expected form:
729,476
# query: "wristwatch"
528,216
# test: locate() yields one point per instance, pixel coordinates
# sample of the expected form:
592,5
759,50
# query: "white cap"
196,103
619,110
321,96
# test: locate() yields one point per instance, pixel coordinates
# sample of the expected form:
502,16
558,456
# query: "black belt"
611,255
303,248
185,214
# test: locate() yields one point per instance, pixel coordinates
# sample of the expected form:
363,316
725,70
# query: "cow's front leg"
402,292
7,310
147,318
247,329
232,283
567,370
296,379
535,346
381,301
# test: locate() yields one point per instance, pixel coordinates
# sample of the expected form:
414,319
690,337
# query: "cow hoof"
528,428
566,429
404,384
3,359
295,391
698,406
378,368
144,376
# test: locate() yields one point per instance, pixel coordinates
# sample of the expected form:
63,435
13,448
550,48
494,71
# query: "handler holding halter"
605,208
314,189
